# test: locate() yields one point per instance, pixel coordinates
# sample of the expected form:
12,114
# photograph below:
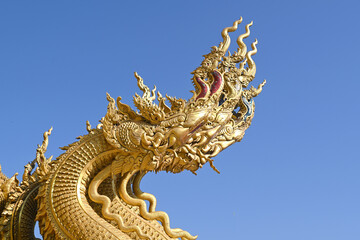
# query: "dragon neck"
64,201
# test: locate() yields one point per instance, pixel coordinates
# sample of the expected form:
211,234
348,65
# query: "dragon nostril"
92,191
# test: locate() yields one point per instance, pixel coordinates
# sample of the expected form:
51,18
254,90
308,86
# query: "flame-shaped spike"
109,98
145,89
224,45
153,97
46,139
88,126
242,46
242,64
251,70
162,103
256,91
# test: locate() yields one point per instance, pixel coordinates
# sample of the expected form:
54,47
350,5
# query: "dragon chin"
92,190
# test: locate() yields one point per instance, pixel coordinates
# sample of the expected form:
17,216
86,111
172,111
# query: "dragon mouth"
96,182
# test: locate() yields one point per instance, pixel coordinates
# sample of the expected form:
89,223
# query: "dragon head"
104,168
190,133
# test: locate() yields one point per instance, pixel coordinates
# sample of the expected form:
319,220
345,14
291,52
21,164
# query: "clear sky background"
294,176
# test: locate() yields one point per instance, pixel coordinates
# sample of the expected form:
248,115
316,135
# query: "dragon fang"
92,190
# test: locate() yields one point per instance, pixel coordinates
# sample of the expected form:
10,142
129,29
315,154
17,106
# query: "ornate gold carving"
92,190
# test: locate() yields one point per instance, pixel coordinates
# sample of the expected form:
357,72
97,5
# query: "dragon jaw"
116,155
189,133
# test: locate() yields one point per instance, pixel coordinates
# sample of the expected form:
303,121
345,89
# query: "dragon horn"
242,46
224,45
251,64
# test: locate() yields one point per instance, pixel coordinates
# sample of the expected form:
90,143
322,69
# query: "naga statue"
92,190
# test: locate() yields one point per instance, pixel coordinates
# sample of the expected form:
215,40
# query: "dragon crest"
92,190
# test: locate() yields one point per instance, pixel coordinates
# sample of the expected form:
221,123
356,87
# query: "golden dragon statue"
92,190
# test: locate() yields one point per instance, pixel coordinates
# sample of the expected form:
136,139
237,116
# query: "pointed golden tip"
224,45
240,40
48,132
262,84
109,98
88,126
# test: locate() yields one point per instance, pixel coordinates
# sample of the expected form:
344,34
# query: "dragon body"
92,190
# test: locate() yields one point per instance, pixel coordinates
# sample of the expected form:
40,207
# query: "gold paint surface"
92,190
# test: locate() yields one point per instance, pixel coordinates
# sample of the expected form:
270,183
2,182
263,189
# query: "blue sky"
294,176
